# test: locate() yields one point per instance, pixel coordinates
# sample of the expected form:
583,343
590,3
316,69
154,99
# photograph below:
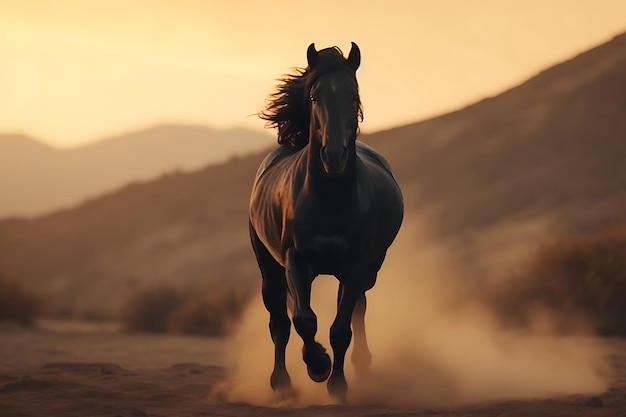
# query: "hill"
37,179
541,159
184,229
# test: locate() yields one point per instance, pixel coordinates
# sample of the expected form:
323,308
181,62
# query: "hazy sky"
74,71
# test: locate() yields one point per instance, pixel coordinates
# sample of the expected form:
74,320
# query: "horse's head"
335,108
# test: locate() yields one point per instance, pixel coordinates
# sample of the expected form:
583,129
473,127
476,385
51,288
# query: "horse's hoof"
280,381
286,396
317,363
338,388
319,377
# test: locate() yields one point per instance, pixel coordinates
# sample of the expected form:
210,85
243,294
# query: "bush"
164,309
149,310
16,304
210,314
580,276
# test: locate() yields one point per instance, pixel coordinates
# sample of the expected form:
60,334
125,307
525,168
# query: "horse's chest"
327,241
326,254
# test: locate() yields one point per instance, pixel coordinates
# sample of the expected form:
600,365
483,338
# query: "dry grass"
577,279
16,304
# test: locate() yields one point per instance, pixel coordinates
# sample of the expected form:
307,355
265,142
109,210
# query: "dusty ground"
65,370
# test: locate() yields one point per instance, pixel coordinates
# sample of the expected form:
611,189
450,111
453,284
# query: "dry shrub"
210,314
575,278
164,309
16,304
149,310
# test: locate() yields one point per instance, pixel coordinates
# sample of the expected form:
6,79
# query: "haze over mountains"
488,181
37,179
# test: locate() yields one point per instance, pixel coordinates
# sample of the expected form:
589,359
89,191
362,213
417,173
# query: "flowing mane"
288,108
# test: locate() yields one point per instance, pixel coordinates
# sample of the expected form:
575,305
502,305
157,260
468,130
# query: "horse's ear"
312,56
354,58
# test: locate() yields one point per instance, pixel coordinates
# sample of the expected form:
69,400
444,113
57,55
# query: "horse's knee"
280,327
278,323
305,323
274,295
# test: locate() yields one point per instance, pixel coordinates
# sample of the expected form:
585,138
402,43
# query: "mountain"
542,159
36,179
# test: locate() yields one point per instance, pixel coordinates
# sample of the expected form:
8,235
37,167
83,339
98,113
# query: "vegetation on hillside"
16,304
580,280
149,310
164,309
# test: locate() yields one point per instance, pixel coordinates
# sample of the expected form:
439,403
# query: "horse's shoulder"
370,154
276,155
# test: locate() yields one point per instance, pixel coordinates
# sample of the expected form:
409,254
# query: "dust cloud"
432,344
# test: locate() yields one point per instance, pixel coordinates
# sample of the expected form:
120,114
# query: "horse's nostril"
334,158
337,153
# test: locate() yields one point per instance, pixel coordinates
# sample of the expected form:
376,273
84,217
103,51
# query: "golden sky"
75,71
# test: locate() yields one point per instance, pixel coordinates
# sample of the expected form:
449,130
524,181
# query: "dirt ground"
74,370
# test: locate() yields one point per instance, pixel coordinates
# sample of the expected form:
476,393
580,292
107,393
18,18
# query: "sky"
74,72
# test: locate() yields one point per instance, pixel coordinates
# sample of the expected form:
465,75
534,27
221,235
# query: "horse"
322,202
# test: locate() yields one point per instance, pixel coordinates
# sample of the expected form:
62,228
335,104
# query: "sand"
78,370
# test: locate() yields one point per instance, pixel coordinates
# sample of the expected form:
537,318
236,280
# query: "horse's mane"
288,108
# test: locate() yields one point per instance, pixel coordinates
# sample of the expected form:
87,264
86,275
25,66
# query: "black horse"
322,203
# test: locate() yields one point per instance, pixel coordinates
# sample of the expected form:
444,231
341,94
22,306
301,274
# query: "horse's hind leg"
361,356
340,337
274,291
351,291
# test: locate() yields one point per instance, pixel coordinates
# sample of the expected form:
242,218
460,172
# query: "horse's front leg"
299,280
274,292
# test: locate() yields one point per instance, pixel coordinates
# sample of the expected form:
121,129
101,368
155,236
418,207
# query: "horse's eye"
312,98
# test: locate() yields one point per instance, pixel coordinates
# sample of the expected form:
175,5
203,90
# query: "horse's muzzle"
334,159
